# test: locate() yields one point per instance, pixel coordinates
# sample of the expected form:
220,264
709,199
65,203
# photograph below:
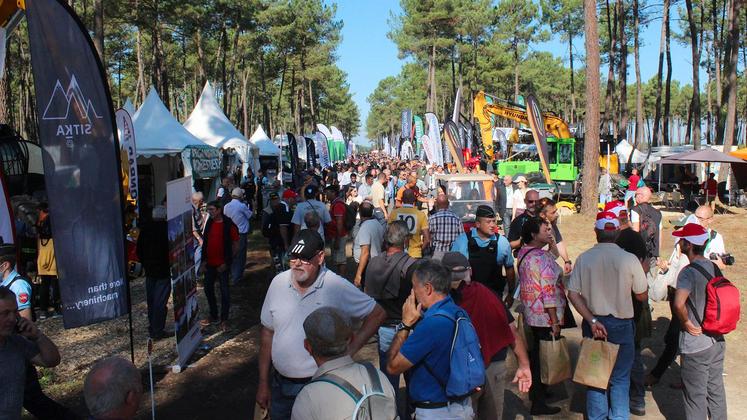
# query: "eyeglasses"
303,261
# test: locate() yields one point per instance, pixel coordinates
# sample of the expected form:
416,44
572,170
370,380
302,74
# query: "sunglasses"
303,261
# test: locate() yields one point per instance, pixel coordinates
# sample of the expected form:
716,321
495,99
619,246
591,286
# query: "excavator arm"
10,14
554,125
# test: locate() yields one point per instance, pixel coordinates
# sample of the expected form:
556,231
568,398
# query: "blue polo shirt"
503,252
21,288
429,343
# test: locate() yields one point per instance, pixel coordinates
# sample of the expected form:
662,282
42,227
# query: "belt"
430,405
294,380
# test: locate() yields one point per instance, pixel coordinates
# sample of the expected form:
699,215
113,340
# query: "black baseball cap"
456,262
485,211
306,244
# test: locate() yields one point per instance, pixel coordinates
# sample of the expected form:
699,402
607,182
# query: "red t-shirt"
215,253
633,182
338,209
488,315
711,187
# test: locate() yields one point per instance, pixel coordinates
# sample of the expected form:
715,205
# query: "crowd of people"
371,249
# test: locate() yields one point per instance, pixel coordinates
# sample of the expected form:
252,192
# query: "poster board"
181,267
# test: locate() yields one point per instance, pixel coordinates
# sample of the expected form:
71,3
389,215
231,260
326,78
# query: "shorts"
338,253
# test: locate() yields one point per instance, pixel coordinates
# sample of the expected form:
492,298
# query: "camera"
727,259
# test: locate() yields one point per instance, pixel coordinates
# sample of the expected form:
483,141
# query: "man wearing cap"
599,288
496,331
489,253
416,221
311,204
702,355
328,334
291,297
276,220
241,216
337,234
531,199
422,345
220,248
290,198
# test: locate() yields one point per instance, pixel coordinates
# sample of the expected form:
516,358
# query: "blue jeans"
282,396
613,403
239,262
211,273
637,382
386,336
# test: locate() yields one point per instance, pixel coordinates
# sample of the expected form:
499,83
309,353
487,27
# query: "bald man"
417,223
531,200
715,245
647,221
113,389
444,225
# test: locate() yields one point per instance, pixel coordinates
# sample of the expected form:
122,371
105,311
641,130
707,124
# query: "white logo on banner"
70,103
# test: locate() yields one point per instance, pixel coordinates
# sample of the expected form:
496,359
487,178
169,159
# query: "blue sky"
367,55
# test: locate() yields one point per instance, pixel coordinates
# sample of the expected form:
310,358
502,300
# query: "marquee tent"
269,152
129,107
208,123
162,142
624,149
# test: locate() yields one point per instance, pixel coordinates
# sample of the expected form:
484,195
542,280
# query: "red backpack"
722,306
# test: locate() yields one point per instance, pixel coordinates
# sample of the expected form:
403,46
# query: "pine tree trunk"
694,115
98,28
623,72
201,62
731,74
657,112
591,123
573,82
610,92
668,89
639,123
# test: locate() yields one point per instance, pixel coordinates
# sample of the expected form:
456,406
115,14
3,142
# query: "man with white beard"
292,296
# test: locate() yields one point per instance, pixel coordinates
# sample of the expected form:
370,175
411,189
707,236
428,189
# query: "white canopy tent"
161,141
208,123
129,107
624,149
267,149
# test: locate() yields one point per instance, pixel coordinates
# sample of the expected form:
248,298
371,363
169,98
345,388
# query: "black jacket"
153,249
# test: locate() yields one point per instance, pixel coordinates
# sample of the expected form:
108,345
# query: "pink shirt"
540,282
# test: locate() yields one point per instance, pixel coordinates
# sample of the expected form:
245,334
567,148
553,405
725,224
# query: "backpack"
650,218
351,214
365,399
722,306
466,366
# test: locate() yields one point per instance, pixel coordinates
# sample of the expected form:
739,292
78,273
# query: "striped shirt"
445,226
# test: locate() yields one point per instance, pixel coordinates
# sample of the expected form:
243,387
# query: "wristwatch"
401,326
593,321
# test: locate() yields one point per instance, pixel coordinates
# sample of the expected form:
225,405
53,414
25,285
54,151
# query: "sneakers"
640,412
208,322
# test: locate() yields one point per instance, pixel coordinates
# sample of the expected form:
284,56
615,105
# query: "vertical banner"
451,138
322,148
457,105
419,131
537,123
126,133
310,153
293,152
81,164
7,226
181,267
406,123
435,135
425,141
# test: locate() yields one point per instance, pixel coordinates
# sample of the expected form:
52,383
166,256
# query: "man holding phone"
20,342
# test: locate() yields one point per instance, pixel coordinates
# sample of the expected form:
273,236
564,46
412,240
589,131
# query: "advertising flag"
435,136
81,164
406,124
537,123
7,226
322,148
451,138
425,141
310,152
126,133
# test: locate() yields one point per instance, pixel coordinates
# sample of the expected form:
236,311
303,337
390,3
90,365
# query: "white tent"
162,141
208,123
264,143
129,107
624,149
157,132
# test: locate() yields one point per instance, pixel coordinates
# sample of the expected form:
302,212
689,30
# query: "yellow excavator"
557,130
10,11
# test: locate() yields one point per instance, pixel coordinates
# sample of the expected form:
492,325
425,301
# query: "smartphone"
18,325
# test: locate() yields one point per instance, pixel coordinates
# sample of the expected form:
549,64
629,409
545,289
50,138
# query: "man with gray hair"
113,389
367,241
241,216
328,335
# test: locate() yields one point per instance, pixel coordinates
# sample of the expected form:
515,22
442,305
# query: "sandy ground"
222,378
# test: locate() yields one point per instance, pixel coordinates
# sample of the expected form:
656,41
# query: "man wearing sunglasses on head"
531,200
292,296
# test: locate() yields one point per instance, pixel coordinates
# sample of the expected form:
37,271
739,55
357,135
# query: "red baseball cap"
693,233
615,207
289,193
606,220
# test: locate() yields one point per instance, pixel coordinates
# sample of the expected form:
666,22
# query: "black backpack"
649,221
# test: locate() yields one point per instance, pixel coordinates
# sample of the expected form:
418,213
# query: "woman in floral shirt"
542,298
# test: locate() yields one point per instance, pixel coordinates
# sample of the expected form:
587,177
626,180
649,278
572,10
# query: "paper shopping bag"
555,363
260,413
595,363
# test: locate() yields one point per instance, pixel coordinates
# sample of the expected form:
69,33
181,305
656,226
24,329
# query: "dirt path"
222,381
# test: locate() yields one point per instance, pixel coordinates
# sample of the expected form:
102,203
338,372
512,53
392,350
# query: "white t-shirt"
311,205
284,311
371,233
518,199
